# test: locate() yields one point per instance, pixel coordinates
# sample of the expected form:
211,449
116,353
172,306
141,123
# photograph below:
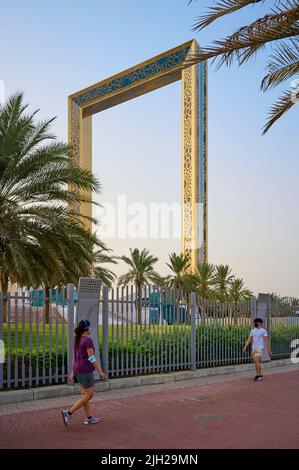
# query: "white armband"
92,359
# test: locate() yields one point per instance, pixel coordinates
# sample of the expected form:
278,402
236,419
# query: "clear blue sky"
50,49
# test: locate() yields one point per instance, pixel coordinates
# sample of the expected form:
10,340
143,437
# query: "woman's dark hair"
82,325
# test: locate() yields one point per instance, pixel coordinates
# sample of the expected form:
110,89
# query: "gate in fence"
155,331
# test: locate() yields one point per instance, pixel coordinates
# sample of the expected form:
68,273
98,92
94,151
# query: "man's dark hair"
258,320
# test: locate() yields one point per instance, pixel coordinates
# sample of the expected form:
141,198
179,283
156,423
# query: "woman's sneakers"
258,378
91,420
66,416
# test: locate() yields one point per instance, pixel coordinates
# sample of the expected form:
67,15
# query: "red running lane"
236,414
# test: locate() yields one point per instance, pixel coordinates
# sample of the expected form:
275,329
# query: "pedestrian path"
226,412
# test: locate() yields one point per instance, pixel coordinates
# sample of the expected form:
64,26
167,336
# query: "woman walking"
83,366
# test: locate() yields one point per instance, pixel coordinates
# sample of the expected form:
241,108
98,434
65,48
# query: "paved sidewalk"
225,412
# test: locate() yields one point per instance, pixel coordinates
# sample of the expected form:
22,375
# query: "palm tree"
222,282
39,221
141,273
279,28
179,281
238,291
180,267
101,257
72,248
203,284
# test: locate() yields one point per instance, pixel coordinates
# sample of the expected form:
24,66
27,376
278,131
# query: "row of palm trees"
208,281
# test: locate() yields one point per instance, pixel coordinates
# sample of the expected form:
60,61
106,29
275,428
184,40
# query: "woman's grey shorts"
86,380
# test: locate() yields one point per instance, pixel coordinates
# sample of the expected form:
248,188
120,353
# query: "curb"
54,391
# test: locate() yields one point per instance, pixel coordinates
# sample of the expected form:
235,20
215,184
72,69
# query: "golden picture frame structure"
147,76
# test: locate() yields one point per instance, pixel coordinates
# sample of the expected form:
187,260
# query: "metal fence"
283,325
176,331
153,331
34,332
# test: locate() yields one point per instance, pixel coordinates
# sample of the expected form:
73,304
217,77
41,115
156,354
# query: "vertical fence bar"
112,334
217,356
193,331
16,381
183,317
269,315
23,377
122,331
233,310
70,335
200,336
203,321
30,338
213,329
174,327
242,328
44,337
117,332
140,328
105,330
37,340
62,335
146,337
136,331
168,332
253,306
225,322
1,339
131,336
164,339
50,341
8,308
239,316
164,330
198,332
207,330
56,335
178,328
231,351
147,363
157,328
151,357
127,330
187,326
223,328
164,333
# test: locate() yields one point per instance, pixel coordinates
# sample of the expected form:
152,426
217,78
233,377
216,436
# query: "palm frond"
282,64
284,103
222,8
248,40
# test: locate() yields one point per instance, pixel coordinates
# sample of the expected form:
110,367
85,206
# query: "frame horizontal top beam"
154,73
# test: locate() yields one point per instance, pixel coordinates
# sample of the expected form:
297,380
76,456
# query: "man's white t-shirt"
258,335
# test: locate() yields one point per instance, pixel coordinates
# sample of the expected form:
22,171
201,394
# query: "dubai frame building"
155,73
